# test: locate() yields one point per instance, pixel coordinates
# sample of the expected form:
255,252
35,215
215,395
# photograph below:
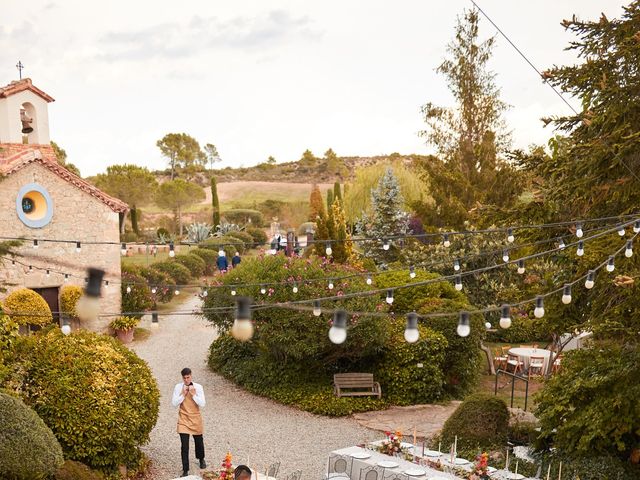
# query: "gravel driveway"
255,430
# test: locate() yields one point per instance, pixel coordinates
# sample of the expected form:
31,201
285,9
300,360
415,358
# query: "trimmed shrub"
69,296
523,433
139,299
209,258
28,448
230,245
71,470
242,216
162,233
175,270
480,422
30,307
162,282
259,235
194,263
97,396
244,237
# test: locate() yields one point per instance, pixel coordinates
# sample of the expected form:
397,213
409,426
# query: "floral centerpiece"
225,472
392,445
481,468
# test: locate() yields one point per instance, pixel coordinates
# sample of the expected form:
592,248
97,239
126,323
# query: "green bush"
594,467
244,237
209,258
71,470
97,396
29,307
124,323
162,233
230,245
175,270
242,216
480,422
194,263
522,330
28,448
259,236
139,299
162,282
69,296
523,433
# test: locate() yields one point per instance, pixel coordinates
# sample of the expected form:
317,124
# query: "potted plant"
123,326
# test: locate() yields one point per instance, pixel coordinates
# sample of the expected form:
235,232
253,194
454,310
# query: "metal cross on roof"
19,66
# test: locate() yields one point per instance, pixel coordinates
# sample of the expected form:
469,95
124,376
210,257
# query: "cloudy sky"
260,78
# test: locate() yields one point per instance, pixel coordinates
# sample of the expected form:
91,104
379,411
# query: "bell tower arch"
24,116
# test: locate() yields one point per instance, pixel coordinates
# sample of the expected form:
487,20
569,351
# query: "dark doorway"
50,296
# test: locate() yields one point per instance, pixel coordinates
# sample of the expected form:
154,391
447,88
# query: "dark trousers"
184,449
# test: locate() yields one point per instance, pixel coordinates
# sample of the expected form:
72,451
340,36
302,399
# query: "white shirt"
178,397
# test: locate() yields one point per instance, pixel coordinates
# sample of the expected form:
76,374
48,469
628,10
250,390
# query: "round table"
525,355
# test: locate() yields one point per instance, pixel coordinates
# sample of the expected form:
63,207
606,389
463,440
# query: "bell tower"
24,117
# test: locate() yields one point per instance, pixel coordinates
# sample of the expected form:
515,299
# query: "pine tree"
329,200
333,226
387,220
215,202
316,204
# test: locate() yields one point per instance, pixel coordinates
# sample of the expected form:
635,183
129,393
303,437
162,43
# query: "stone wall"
77,216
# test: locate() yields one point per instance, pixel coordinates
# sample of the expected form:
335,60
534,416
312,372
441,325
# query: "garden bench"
358,384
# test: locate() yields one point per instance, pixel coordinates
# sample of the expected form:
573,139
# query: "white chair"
339,467
514,364
536,366
294,476
372,473
273,470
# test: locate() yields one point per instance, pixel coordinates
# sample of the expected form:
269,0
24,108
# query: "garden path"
255,430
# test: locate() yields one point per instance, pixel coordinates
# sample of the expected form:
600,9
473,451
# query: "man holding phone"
189,396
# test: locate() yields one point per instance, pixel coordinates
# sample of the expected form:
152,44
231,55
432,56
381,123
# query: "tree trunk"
487,351
179,213
134,220
215,203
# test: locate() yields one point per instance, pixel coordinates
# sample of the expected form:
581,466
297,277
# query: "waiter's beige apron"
189,418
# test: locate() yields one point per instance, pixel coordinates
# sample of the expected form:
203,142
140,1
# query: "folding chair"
514,364
536,366
557,364
372,473
499,359
273,470
339,466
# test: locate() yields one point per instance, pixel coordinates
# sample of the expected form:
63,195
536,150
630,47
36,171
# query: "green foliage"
244,216
316,204
308,158
61,157
259,235
162,233
215,202
98,397
244,237
211,155
230,245
177,194
209,258
175,270
591,406
161,281
27,307
139,299
71,470
194,263
8,336
28,448
69,296
522,330
335,165
594,467
523,433
480,422
329,200
124,323
198,232
181,151
333,226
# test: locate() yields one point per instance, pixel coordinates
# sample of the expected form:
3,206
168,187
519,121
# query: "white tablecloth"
525,355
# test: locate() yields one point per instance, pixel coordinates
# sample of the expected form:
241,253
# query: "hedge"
28,448
71,470
209,258
194,263
162,282
97,396
69,296
244,237
30,307
175,270
139,299
242,216
230,245
259,236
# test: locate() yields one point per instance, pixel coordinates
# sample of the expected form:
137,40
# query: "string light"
412,272
30,269
487,325
579,232
538,312
385,245
389,296
636,226
505,255
521,268
610,264
263,290
66,277
456,265
66,328
153,290
78,247
464,326
411,332
580,250
338,330
176,292
88,306
172,252
445,240
155,323
628,251
330,284
566,294
35,243
458,282
123,249
369,280
233,292
242,329
328,250
48,273
505,316
510,237
590,281
561,244
106,284
317,310
128,289
205,292
295,288
621,231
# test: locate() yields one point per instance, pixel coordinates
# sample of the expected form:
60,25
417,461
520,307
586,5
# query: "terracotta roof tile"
20,85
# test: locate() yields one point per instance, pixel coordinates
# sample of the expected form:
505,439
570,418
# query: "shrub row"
242,216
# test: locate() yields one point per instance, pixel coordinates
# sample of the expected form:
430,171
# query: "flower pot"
125,336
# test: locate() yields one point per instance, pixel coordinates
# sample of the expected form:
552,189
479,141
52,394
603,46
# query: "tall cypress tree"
329,200
215,202
316,204
337,192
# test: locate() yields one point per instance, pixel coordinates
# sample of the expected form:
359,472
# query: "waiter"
189,396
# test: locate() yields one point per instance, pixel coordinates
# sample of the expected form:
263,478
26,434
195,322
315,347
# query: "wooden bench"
359,385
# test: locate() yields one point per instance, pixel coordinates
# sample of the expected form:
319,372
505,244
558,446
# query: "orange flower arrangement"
393,444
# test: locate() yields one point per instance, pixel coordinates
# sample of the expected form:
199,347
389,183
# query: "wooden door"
50,296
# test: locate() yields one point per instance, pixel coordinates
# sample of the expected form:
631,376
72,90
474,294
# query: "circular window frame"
24,217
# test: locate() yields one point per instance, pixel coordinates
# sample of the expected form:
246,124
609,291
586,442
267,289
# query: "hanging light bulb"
591,279
386,245
48,273
78,247
411,332
538,312
412,271
505,255
505,316
456,265
30,269
369,280
205,293
445,240
487,325
389,296
128,289
330,285
610,264
66,277
464,326
628,251
233,292
295,288
580,250
328,250
106,284
561,244
566,294
263,289
88,305
155,320
621,231
579,232
35,243
172,250
154,290
242,328
317,310
510,237
176,291
458,283
636,226
338,330
123,249
521,267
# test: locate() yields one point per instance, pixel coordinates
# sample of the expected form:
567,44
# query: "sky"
259,78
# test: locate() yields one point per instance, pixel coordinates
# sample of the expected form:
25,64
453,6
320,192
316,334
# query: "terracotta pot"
125,336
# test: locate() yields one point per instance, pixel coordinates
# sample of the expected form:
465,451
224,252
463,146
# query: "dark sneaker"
203,464
185,473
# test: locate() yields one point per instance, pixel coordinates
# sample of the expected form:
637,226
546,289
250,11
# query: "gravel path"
254,429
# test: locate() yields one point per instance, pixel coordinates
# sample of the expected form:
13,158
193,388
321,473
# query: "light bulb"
385,245
580,250
154,290
317,311
487,325
505,316
456,265
369,280
636,227
263,290
412,272
88,308
445,240
521,267
233,292
30,269
295,288
621,231
458,283
128,289
610,264
411,332
66,277
106,284
205,293
35,244
338,330
538,312
176,292
242,330
78,247
66,329
123,249
154,320
566,294
579,232
328,250
330,285
172,252
510,237
389,297
590,281
628,251
48,273
464,327
561,244
505,255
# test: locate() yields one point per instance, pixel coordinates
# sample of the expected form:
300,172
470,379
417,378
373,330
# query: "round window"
34,205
